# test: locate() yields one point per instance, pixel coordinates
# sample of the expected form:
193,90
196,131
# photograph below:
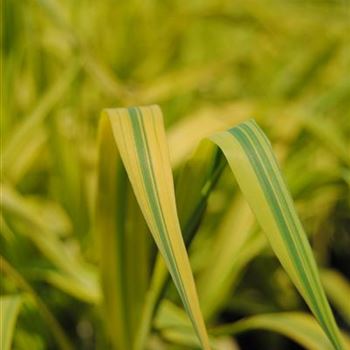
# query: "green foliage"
9,306
210,65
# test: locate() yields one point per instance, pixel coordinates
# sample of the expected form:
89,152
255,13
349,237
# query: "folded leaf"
252,161
124,249
140,139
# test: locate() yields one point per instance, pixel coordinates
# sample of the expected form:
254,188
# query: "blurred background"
208,62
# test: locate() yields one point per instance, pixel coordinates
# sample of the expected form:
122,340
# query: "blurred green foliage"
287,63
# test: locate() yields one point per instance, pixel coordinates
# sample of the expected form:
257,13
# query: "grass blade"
338,290
174,326
231,250
252,161
299,327
63,342
124,244
195,181
140,137
9,306
22,136
23,220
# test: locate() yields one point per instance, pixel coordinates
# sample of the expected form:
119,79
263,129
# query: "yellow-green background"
286,63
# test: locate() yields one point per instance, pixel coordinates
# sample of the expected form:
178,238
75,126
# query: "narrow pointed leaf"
298,326
140,138
24,220
195,181
124,244
9,306
63,342
252,161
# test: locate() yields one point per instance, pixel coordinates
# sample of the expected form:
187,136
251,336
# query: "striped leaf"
195,181
9,306
252,161
123,244
140,139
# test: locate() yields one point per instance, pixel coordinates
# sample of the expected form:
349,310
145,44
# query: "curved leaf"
298,326
140,138
250,156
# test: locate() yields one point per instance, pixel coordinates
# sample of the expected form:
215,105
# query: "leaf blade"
9,306
251,159
300,327
140,138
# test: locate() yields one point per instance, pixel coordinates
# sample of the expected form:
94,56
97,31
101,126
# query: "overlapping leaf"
140,139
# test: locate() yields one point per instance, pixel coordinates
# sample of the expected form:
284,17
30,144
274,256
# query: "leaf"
9,306
44,234
69,175
329,135
298,326
84,289
58,333
236,242
140,137
21,141
302,328
251,159
338,290
124,244
174,326
195,181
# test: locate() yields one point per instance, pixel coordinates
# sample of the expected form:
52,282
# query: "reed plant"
216,220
